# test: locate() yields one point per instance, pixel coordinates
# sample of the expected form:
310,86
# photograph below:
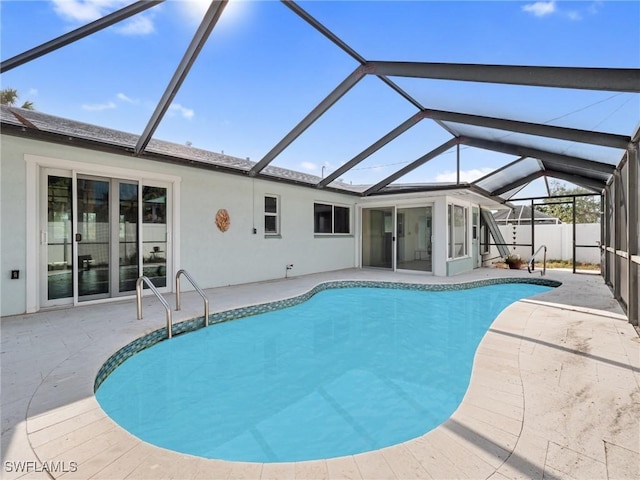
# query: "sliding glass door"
93,237
397,238
414,239
377,237
57,238
94,247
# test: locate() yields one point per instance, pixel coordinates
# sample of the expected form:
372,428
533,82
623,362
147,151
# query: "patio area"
555,392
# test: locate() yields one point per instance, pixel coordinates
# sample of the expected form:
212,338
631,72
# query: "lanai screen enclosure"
382,94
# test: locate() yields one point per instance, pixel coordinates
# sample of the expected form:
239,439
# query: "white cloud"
85,11
187,113
138,25
465,175
540,9
33,92
98,107
309,166
551,7
122,97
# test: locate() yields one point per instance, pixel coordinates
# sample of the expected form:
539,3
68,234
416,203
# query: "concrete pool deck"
554,393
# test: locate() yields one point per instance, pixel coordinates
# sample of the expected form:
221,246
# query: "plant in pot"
513,261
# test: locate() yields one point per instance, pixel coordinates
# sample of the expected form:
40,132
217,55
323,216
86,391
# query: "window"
485,237
331,219
271,215
457,231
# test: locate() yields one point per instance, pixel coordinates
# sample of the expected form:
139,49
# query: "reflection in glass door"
377,237
59,240
414,239
93,238
127,253
154,225
98,234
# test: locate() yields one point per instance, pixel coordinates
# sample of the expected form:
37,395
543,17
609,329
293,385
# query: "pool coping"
463,443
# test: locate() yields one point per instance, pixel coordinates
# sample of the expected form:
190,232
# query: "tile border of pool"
159,335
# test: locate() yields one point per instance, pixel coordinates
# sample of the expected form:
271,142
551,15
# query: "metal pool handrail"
157,294
530,266
198,289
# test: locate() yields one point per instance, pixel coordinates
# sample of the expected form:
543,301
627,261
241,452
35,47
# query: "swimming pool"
347,371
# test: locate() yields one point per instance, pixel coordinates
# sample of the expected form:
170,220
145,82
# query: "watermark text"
31,466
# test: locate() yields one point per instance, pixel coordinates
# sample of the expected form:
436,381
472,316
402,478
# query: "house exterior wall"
13,228
213,258
442,265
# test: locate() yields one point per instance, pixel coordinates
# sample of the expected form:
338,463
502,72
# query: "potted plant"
513,261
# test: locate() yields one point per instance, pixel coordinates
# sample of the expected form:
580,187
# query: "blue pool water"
350,370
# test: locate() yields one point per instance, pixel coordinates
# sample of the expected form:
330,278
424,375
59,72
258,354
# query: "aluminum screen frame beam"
412,166
396,132
355,55
209,21
605,79
537,129
580,180
298,10
347,84
77,34
513,149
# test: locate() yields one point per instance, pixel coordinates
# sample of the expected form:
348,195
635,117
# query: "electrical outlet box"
15,274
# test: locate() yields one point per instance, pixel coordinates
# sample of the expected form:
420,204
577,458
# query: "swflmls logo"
39,467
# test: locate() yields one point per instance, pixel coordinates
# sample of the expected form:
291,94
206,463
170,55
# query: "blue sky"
263,69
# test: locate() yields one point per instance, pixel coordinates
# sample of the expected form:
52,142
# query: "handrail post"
530,265
198,289
155,291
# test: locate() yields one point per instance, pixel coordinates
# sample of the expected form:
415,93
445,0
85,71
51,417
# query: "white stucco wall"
213,258
557,238
238,255
12,228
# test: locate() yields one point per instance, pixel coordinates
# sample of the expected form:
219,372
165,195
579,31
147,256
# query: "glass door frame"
391,249
395,208
405,226
43,227
42,174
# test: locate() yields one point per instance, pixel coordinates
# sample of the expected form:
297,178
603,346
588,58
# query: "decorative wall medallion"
222,220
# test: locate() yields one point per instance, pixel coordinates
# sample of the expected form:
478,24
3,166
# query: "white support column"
633,157
617,195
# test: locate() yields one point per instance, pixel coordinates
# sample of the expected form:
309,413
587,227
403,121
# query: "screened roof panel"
266,66
476,163
350,126
476,32
518,169
414,143
612,112
250,85
563,147
440,169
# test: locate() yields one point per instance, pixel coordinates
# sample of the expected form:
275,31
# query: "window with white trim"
271,215
458,227
331,219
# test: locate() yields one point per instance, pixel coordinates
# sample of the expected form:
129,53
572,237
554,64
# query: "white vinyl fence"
557,238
